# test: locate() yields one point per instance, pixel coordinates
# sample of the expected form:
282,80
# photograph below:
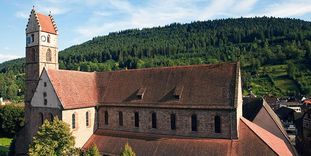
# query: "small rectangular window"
136,118
87,119
44,84
194,127
45,101
173,122
120,119
106,118
154,120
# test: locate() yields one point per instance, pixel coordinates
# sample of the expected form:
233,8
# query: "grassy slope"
273,79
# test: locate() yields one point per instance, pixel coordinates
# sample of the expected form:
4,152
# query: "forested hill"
274,53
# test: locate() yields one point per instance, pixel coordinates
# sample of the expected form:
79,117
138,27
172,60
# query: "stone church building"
186,110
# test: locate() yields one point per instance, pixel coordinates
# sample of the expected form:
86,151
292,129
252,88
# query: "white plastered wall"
82,132
38,98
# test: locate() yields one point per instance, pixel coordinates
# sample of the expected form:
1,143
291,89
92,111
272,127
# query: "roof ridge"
153,68
177,66
247,123
266,107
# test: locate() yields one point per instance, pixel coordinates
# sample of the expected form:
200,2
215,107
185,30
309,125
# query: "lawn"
4,145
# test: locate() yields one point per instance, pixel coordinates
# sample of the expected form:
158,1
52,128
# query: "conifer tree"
127,151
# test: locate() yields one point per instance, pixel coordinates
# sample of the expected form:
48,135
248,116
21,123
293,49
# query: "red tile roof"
210,86
275,143
260,113
46,23
307,101
74,89
253,140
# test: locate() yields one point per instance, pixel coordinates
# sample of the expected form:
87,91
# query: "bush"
11,119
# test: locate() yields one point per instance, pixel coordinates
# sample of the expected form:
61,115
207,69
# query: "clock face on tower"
43,38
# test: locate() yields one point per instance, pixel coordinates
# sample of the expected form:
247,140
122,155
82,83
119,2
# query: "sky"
81,20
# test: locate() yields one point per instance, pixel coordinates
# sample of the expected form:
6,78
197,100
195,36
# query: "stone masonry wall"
205,121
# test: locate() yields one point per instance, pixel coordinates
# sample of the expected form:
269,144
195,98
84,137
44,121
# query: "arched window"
106,118
41,118
173,122
194,125
73,121
51,117
136,119
154,120
48,39
48,55
120,119
87,121
217,124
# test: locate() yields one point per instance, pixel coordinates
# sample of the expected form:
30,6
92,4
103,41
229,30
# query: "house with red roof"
184,110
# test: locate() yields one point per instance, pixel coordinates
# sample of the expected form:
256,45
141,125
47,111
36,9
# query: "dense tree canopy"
11,119
255,42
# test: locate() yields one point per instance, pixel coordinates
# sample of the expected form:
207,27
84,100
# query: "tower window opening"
41,118
48,38
51,117
32,37
48,55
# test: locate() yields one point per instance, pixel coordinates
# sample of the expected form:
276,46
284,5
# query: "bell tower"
41,52
41,49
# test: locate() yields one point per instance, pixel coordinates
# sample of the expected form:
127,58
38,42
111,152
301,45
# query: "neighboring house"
186,110
272,101
306,104
294,105
304,137
260,113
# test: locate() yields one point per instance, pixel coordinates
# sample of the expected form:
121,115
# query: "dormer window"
140,93
178,92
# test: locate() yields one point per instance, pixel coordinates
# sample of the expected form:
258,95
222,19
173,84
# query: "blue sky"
80,20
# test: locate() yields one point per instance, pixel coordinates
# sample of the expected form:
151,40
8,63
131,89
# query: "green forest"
274,53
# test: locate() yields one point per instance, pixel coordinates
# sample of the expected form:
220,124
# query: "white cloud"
21,14
53,9
288,9
7,57
162,12
102,13
243,6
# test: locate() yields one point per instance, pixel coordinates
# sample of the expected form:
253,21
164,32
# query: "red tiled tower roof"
47,23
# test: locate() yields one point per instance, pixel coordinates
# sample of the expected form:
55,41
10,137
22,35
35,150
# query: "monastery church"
184,110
